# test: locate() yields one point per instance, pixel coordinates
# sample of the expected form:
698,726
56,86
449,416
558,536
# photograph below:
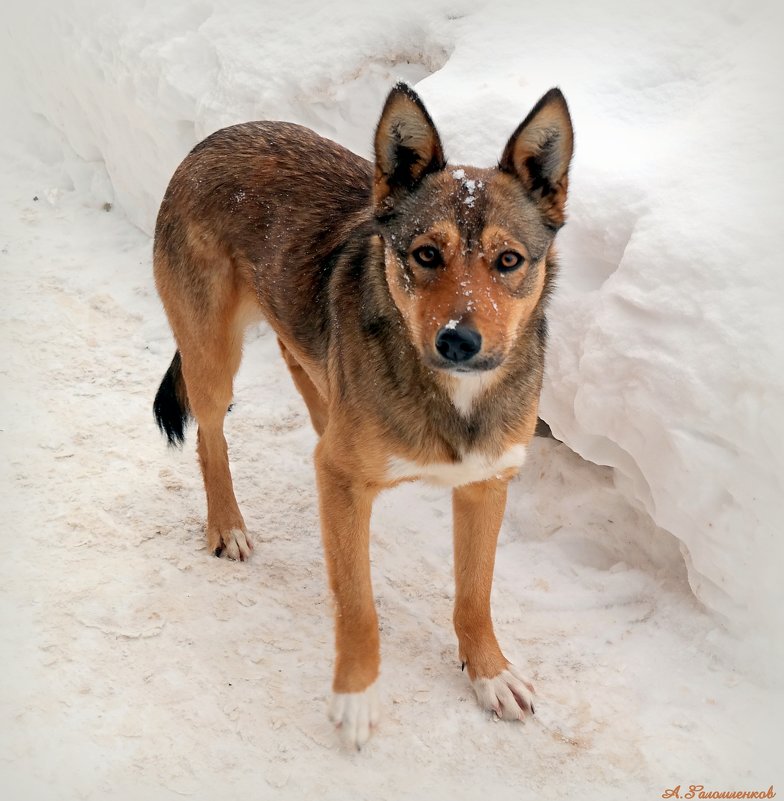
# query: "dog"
409,301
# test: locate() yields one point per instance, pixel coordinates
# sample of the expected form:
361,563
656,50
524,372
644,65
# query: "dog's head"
465,248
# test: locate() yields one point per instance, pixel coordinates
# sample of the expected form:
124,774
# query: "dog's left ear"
539,153
407,147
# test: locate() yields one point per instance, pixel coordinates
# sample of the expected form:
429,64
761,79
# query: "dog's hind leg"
226,532
209,371
208,313
312,397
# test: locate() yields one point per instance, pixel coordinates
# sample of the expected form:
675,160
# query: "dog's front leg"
345,506
478,510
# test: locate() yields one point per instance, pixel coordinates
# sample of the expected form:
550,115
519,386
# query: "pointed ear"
539,153
407,147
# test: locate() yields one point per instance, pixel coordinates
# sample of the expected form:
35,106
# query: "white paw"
355,714
235,544
509,694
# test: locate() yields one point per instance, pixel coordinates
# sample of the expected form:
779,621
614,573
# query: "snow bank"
666,357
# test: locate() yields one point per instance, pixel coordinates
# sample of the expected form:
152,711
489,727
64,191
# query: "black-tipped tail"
170,407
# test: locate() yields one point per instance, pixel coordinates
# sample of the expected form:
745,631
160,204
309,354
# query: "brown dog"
409,303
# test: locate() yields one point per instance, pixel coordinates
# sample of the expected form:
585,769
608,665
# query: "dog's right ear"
407,147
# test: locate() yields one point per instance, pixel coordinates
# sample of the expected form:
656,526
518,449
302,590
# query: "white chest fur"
472,467
465,388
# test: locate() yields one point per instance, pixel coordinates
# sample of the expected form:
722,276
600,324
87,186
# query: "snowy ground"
137,666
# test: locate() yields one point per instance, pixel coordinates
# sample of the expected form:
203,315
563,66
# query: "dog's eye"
509,260
427,256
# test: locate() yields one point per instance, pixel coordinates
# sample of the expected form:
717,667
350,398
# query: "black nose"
459,343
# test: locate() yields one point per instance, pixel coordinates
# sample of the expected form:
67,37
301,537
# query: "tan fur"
478,510
270,219
314,400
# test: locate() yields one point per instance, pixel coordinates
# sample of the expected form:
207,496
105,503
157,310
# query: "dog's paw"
509,694
232,544
355,714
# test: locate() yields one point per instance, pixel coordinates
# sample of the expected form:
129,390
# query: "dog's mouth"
478,364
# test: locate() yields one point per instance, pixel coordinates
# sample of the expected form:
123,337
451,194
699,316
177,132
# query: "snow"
637,586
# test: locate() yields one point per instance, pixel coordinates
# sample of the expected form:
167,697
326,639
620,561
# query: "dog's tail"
171,408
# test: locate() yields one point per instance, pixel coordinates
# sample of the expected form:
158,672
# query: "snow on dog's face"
465,248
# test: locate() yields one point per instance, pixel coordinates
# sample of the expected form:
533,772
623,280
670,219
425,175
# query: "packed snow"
637,579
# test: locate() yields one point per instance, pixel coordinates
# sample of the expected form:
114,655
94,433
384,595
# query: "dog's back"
262,209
